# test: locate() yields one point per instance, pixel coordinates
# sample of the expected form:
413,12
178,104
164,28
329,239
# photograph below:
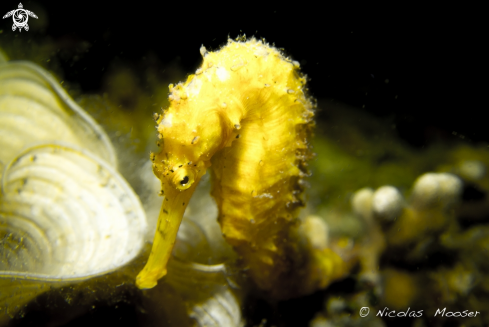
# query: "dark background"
434,58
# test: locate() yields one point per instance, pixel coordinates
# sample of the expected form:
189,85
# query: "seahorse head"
190,132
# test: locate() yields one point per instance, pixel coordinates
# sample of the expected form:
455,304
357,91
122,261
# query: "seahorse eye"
184,181
183,178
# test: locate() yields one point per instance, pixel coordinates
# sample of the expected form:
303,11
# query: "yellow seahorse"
244,114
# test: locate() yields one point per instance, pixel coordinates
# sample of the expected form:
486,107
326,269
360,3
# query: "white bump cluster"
472,169
316,231
433,189
361,202
387,202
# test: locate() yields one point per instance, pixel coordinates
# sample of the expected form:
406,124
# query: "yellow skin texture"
244,114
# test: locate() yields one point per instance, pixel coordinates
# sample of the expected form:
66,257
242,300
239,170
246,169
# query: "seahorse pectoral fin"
169,220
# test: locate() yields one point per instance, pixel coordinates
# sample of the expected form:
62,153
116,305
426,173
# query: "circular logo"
364,311
20,17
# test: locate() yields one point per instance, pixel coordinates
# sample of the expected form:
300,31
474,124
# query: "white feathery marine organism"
66,214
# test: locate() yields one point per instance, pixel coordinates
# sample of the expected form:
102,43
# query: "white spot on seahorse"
264,195
166,122
203,51
193,88
238,65
175,92
261,51
222,74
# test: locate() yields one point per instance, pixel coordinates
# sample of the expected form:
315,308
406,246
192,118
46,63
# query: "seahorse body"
244,114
